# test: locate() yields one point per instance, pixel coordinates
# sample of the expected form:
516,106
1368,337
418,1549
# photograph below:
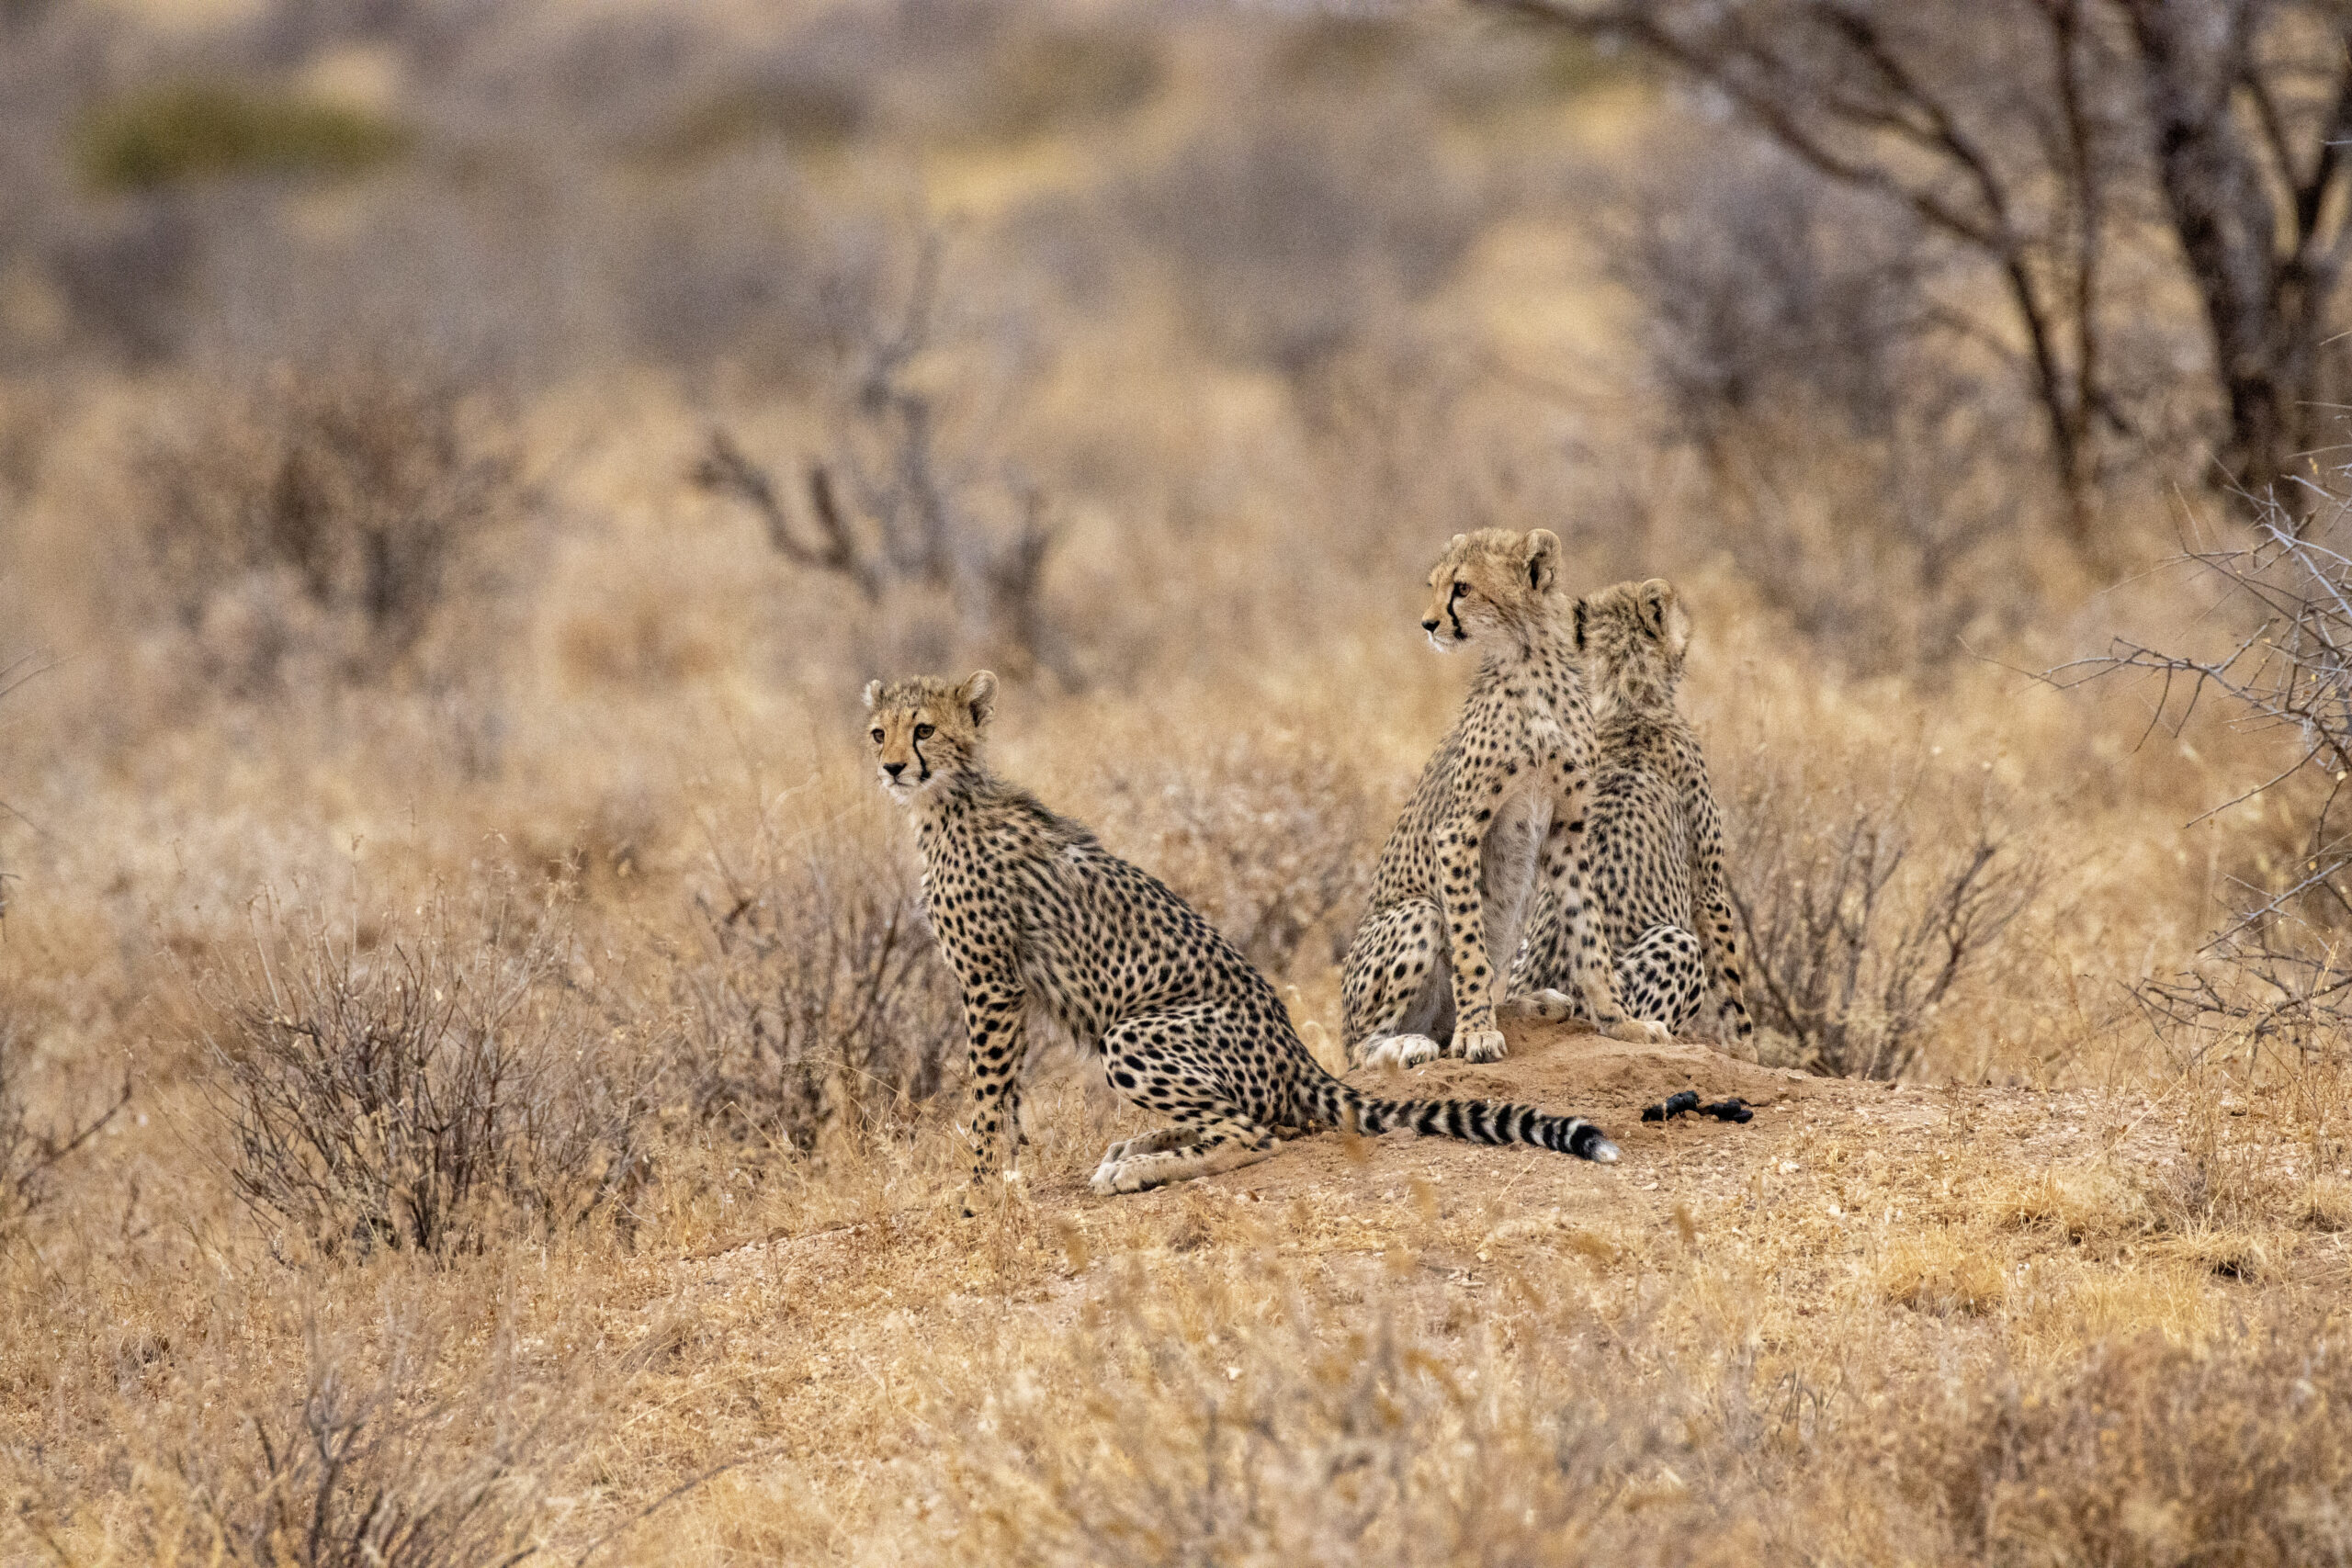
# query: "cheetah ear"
978,695
1580,615
1669,621
872,693
1543,559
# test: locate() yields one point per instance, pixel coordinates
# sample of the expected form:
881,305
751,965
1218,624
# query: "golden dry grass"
2068,1293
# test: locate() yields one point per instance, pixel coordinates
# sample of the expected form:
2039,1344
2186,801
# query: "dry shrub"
1288,235
316,526
818,1000
1058,78
938,74
2155,1454
362,1468
1179,1416
29,1160
1762,284
1861,906
421,1092
1270,837
1856,446
2276,656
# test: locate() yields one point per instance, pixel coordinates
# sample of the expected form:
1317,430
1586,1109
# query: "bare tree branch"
2075,111
2277,967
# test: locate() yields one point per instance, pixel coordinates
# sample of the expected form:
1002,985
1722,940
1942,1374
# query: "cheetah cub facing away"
1656,833
1039,922
1499,811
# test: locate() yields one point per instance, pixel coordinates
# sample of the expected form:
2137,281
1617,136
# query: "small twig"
666,1498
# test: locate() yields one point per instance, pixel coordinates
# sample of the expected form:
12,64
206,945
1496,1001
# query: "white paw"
1548,1005
1479,1045
1137,1174
1639,1031
1401,1050
1105,1180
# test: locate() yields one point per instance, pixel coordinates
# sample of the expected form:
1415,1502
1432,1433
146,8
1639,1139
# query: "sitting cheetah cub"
1500,810
1041,923
1657,836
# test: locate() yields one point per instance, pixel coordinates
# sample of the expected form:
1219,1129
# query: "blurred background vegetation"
461,459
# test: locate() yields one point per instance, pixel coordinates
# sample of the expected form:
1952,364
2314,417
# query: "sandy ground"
1807,1198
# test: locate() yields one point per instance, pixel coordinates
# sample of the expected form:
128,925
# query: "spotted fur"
1499,812
1657,839
1040,923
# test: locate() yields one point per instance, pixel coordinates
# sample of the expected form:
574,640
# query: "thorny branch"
2279,966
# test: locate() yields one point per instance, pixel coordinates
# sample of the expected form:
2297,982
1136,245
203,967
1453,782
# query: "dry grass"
451,820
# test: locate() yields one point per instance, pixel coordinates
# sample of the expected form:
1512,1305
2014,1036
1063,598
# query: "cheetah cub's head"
1633,637
924,730
1493,582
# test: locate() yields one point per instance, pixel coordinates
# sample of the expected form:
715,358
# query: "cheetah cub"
1500,810
1656,835
1041,923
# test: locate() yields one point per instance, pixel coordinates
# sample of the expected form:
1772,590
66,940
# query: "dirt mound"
1569,1067
1560,1069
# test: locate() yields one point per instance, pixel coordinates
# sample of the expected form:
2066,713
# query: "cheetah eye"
876,733
922,732
1458,586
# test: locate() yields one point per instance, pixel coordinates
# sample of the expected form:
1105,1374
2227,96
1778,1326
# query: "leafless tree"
2035,135
912,515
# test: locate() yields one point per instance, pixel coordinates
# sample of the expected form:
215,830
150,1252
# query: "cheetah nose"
894,769
1430,624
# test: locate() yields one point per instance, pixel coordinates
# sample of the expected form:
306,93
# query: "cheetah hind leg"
1396,990
1546,1006
1141,1144
1178,1153
1662,976
1401,1051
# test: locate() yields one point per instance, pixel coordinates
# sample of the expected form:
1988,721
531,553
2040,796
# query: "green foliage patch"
192,130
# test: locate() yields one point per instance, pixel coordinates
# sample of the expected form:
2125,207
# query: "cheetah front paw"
1480,1044
1639,1032
1401,1050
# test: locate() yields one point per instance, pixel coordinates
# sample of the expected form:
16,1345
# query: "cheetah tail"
1472,1120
